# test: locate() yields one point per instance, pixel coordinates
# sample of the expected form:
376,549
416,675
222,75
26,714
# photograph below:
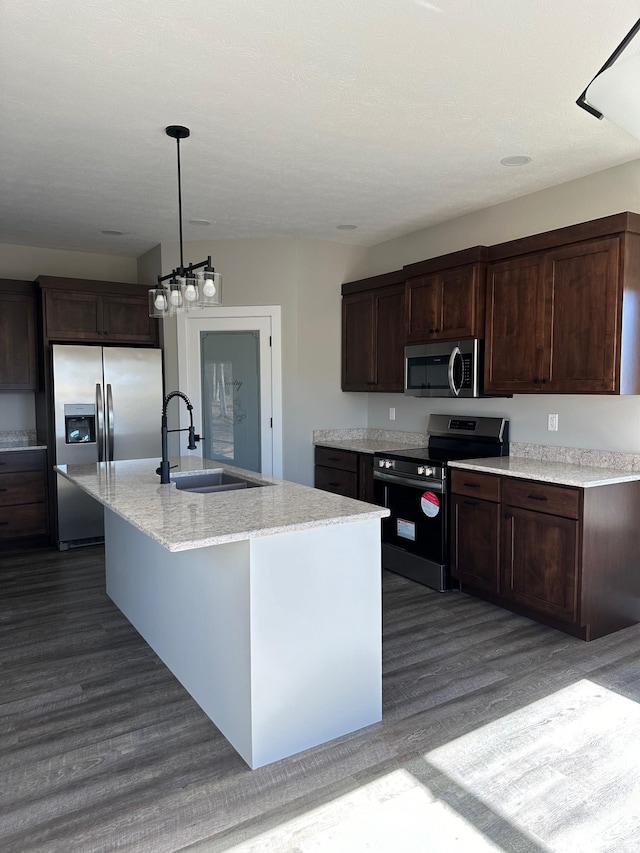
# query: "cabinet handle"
472,485
535,380
4,490
471,503
507,515
436,331
334,484
3,523
3,463
537,497
544,381
333,458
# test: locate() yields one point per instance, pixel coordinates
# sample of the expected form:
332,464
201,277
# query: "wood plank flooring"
497,734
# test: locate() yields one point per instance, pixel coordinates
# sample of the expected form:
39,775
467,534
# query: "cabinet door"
424,308
516,358
357,342
18,370
389,340
460,304
71,315
475,555
126,318
585,292
540,562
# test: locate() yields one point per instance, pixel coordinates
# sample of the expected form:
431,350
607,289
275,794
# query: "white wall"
17,411
598,422
304,278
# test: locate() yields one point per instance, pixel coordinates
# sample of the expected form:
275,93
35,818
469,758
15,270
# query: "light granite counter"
560,473
181,520
369,440
265,603
20,440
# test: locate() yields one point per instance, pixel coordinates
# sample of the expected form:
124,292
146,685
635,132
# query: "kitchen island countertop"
181,521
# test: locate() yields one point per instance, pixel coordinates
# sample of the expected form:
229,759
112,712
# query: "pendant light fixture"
189,287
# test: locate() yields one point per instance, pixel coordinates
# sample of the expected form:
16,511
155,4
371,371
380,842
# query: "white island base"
277,638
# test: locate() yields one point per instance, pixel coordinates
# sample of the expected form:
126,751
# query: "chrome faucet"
164,468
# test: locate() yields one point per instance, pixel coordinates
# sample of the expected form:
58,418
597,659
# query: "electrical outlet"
392,414
552,423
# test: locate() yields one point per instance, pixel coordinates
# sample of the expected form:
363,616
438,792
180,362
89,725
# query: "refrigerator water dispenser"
79,423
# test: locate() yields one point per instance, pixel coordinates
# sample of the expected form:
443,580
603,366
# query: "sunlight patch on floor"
550,768
394,814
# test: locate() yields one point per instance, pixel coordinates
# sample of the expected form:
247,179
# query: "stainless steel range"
413,484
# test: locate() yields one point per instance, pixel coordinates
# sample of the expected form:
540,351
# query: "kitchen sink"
212,481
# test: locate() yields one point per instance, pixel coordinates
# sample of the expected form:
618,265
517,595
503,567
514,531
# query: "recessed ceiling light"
111,232
516,160
199,222
346,227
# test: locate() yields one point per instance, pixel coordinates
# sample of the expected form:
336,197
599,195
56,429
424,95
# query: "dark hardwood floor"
498,734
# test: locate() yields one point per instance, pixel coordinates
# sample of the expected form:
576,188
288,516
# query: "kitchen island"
264,602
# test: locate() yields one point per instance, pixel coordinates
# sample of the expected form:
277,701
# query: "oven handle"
423,485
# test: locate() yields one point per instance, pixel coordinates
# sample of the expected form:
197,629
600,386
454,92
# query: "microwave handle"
455,352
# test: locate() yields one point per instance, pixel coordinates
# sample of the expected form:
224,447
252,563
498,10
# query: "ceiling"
391,115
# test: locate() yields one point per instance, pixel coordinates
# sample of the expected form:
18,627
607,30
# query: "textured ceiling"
391,115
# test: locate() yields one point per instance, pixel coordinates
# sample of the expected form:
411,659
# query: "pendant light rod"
178,132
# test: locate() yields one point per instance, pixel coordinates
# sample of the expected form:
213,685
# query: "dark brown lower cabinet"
23,505
344,472
564,556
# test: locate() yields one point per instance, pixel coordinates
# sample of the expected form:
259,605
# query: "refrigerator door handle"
110,426
100,422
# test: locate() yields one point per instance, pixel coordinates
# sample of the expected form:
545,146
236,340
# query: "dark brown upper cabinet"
445,297
96,311
373,334
562,311
18,354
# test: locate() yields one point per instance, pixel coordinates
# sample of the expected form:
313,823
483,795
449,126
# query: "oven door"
417,521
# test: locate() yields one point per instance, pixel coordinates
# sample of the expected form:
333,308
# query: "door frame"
187,372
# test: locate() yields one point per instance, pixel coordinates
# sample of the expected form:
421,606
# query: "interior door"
228,378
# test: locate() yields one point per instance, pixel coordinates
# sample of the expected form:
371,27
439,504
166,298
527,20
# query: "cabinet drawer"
25,520
542,497
474,485
21,460
26,487
337,481
345,459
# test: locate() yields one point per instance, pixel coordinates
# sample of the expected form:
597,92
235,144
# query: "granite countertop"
560,473
182,521
368,440
8,445
368,445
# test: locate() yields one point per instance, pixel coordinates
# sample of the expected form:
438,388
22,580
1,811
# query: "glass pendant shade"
211,289
158,302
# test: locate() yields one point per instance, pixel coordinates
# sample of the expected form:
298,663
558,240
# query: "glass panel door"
230,372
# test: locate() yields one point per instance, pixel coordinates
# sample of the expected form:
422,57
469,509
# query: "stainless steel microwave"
447,369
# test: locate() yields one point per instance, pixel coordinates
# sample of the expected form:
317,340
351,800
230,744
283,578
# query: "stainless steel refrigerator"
107,405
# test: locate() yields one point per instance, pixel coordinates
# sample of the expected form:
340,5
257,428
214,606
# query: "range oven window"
416,523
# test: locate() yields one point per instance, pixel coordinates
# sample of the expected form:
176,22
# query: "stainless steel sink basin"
212,481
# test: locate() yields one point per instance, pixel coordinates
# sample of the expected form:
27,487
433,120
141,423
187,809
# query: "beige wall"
17,411
304,278
599,422
28,262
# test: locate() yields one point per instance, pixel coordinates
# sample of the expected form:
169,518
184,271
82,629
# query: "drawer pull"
471,503
537,497
472,485
4,490
334,484
3,523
